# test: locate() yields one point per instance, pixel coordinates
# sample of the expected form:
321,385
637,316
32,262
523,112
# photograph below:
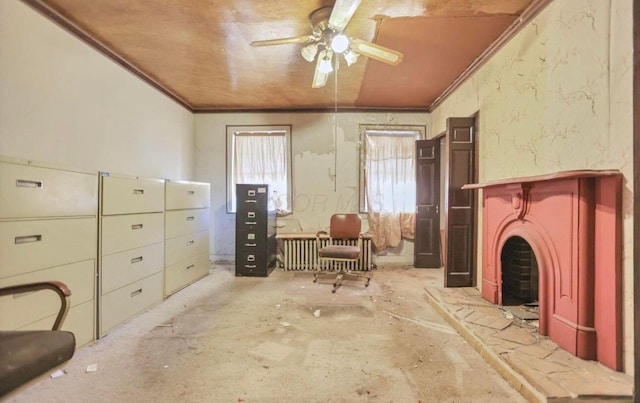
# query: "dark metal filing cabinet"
255,231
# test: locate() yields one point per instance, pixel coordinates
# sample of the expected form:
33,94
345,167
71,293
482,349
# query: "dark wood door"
459,267
427,240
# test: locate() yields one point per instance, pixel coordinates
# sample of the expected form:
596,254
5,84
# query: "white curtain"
391,188
261,158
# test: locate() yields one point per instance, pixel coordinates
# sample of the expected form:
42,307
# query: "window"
388,182
387,162
260,154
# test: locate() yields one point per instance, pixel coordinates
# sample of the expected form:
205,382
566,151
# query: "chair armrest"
59,287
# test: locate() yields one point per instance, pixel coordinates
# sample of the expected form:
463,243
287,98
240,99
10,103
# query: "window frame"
363,129
230,132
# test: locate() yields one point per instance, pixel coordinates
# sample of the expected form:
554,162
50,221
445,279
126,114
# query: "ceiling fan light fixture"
350,57
339,43
309,52
326,65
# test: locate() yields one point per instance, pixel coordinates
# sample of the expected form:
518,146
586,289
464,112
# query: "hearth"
557,239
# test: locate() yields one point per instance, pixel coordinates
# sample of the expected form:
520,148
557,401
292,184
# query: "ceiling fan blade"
342,12
319,77
376,52
282,41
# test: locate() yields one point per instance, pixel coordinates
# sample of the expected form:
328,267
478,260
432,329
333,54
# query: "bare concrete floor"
283,339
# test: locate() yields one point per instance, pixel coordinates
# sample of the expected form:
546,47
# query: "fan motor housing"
320,20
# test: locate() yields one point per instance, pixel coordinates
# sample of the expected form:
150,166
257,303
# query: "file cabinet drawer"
183,247
182,222
119,269
186,195
124,232
123,303
23,309
123,195
26,246
181,274
36,192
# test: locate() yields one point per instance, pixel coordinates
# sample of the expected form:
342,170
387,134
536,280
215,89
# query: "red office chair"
343,230
27,354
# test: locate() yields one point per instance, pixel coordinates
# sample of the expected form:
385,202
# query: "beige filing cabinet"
186,234
48,231
131,248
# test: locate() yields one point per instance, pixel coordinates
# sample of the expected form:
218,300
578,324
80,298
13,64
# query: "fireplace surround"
572,221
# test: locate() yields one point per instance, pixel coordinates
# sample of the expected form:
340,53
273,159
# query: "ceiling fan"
327,38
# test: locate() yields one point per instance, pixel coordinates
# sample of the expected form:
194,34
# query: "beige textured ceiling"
198,52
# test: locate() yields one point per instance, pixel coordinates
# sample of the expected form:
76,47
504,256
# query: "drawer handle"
251,214
190,192
136,259
251,193
136,226
138,191
189,243
250,266
251,258
191,266
136,292
191,218
250,222
27,239
249,244
25,183
250,201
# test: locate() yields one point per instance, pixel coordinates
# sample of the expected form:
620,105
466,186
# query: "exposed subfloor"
283,339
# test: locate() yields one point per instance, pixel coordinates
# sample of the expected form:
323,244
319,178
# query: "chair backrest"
345,226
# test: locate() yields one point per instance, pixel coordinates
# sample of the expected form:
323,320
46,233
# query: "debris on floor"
92,368
58,374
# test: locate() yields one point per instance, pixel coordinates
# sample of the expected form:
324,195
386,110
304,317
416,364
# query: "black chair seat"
25,355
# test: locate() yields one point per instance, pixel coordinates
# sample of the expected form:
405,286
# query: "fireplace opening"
519,273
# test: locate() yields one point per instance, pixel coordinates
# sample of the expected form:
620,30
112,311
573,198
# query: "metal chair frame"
342,226
26,355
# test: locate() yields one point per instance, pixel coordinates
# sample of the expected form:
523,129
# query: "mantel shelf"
581,173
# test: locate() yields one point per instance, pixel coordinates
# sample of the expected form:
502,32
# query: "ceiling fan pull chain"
335,123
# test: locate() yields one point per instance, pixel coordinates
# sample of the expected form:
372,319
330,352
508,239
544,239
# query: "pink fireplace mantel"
573,222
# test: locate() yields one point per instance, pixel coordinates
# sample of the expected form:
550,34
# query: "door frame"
444,177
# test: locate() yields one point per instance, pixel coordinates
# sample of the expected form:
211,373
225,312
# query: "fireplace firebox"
558,239
519,272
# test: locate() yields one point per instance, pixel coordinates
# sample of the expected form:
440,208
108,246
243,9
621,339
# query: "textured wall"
559,97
